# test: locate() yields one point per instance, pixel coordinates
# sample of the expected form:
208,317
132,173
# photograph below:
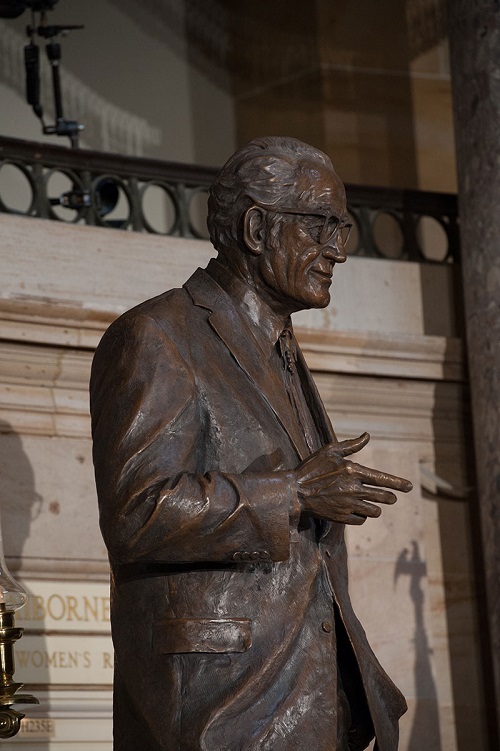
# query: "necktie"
288,350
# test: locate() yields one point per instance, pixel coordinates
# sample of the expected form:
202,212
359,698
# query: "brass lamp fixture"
12,597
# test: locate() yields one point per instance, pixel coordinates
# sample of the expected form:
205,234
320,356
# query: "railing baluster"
41,201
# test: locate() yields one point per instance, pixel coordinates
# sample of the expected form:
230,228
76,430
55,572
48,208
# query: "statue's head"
277,210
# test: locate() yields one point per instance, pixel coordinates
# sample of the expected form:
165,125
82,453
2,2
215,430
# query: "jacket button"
327,627
265,555
236,556
328,554
255,556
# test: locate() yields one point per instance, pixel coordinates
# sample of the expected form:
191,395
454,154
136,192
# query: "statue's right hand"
331,487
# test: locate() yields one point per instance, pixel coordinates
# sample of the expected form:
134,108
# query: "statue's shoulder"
174,305
177,315
164,306
148,320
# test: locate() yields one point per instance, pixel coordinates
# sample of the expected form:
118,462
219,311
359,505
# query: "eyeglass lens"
332,230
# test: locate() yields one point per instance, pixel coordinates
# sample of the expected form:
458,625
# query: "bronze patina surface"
224,492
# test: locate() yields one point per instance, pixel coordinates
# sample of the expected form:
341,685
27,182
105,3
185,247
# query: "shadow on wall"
20,505
425,731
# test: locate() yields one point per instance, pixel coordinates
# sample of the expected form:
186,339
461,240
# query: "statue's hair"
264,171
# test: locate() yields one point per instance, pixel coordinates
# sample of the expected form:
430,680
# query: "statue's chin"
319,299
310,303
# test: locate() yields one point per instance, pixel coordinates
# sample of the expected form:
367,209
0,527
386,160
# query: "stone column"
475,65
334,74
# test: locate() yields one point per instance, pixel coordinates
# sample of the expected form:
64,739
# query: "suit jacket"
230,622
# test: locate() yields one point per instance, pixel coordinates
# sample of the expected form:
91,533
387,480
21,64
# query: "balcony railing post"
411,244
41,201
89,212
183,208
135,208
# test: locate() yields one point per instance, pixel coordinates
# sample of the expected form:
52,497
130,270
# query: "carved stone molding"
44,389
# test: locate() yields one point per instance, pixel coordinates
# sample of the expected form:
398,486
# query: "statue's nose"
334,251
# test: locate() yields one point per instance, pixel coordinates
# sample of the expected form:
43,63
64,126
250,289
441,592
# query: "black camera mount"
13,9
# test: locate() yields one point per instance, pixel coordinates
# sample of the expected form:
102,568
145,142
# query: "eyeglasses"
322,229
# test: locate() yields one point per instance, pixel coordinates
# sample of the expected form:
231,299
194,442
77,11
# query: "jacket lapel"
230,326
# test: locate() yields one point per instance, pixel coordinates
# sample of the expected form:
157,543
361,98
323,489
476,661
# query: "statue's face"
304,241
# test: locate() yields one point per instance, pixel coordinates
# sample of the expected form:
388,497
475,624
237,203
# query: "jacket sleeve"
148,431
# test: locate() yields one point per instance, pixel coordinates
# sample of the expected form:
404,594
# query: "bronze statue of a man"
224,492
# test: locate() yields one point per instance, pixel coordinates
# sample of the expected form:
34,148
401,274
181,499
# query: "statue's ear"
254,224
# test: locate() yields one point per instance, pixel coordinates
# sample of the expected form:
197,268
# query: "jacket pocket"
217,635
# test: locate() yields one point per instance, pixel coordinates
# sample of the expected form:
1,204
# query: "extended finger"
355,519
371,476
377,495
363,508
352,444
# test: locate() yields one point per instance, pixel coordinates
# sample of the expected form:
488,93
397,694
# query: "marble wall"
387,358
369,83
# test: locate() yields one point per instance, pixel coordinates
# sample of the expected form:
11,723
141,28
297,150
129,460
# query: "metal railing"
148,195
